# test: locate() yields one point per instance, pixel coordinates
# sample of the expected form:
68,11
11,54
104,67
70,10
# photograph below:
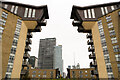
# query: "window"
44,72
8,76
106,10
11,59
93,13
108,18
104,44
85,13
33,14
16,8
9,69
117,56
2,22
86,75
102,36
118,65
73,74
109,68
112,7
102,9
110,25
33,75
107,59
1,30
81,76
38,75
4,15
85,71
101,30
30,11
114,40
112,32
44,76
14,42
51,73
110,75
12,9
80,72
5,6
34,72
116,48
105,51
26,11
13,50
99,22
89,13
39,72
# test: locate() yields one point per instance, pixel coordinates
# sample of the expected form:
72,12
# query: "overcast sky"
59,25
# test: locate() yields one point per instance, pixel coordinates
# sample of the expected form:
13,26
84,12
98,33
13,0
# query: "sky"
59,25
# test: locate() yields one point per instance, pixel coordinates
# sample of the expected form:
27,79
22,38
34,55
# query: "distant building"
58,61
46,53
69,67
80,73
33,61
43,73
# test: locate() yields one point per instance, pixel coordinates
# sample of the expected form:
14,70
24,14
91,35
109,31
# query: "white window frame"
89,13
16,8
85,13
102,9
112,7
12,8
26,12
33,13
106,10
93,13
30,12
6,6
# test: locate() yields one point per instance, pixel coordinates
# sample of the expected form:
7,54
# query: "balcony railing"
94,72
27,48
91,49
92,56
93,64
23,72
76,23
90,42
43,23
25,63
28,41
89,35
29,35
26,55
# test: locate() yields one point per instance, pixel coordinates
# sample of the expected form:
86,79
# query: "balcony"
76,23
26,55
28,41
93,64
94,72
92,56
89,35
27,48
43,23
25,63
23,72
90,42
91,49
29,35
